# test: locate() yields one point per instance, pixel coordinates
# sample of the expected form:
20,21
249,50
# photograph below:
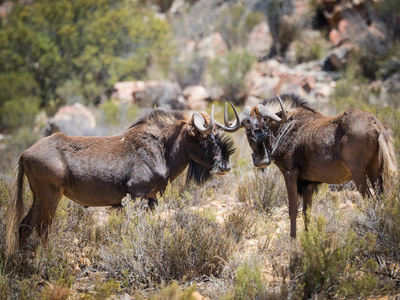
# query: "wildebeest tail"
387,156
15,210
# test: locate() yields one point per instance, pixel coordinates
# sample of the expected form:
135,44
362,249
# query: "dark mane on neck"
293,100
161,118
197,173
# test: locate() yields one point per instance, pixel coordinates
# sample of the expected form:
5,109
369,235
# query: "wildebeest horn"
284,117
266,113
245,114
198,121
227,126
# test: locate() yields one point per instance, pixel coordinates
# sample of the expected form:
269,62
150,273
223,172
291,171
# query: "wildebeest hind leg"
28,224
41,214
374,173
360,179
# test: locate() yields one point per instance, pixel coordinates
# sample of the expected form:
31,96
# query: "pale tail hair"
15,210
387,157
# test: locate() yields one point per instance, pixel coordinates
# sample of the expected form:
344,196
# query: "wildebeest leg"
307,203
152,203
357,167
291,187
41,213
360,179
28,224
374,173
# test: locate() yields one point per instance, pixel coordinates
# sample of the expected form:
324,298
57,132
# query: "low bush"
264,190
309,46
329,264
173,291
381,218
236,23
249,283
188,70
156,249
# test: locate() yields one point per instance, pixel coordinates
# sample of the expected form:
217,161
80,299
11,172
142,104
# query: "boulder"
124,90
161,93
260,40
73,120
212,46
352,23
196,97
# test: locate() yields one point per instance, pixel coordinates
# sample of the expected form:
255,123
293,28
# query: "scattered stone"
212,46
196,97
260,40
73,120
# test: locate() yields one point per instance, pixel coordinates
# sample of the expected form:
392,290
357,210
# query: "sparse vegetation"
229,72
227,239
264,190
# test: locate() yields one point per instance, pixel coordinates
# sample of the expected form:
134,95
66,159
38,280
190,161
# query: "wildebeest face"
208,145
258,141
257,121
212,152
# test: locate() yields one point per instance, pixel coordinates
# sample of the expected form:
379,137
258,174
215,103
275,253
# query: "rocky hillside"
300,46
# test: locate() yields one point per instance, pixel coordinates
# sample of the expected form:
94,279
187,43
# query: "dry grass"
246,254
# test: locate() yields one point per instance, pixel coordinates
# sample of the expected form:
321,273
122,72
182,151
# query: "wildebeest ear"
191,130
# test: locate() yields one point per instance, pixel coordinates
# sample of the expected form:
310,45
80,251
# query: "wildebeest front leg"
291,187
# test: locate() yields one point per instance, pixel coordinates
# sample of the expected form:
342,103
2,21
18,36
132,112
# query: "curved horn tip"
284,117
227,127
226,120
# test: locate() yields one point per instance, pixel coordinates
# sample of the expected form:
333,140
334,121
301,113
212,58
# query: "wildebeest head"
208,145
258,121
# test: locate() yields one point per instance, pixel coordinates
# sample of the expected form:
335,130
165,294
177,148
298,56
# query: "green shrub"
19,100
175,195
249,284
173,291
310,46
229,72
115,116
95,42
188,70
326,262
236,23
381,218
389,11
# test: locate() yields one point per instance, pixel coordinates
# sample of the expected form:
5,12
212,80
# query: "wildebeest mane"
227,146
200,174
197,173
290,100
161,118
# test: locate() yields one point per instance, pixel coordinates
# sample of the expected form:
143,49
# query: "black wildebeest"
310,148
101,171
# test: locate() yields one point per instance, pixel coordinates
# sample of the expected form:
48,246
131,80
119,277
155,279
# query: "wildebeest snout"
223,168
261,161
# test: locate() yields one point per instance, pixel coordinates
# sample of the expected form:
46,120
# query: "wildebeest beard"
200,174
